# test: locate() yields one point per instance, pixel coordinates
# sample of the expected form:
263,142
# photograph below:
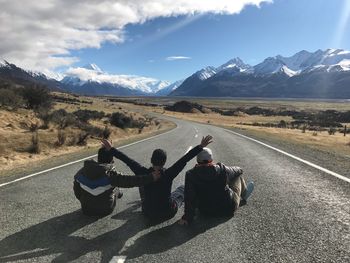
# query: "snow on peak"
288,71
235,63
81,75
206,73
93,67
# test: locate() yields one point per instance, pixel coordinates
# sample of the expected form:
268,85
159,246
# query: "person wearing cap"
96,184
158,202
214,188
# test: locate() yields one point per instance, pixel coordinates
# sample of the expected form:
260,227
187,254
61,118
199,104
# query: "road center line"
77,161
339,176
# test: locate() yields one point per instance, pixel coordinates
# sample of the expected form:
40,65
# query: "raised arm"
136,167
177,167
128,181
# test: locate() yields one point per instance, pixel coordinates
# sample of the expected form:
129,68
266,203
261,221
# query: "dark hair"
104,156
158,157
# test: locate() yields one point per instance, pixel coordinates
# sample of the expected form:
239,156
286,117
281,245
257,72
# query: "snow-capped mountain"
167,90
236,64
206,73
300,75
305,61
92,74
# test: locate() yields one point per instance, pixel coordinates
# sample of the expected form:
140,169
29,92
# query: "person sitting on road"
95,185
158,203
215,189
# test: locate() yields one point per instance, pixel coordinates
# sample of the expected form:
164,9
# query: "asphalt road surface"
296,213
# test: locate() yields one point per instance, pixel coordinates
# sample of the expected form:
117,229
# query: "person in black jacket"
215,189
95,185
158,203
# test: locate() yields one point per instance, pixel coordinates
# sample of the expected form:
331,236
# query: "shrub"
82,139
10,98
36,97
35,146
106,132
61,138
86,115
331,131
63,118
34,127
123,121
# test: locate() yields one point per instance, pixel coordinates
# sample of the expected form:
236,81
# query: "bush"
35,146
10,98
331,131
36,96
61,138
106,132
86,115
123,121
82,139
63,118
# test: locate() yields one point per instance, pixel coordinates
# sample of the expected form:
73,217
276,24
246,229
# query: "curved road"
296,214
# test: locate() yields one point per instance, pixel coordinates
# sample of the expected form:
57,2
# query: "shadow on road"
171,236
56,236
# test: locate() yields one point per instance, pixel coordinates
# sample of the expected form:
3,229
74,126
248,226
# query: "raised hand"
206,140
107,144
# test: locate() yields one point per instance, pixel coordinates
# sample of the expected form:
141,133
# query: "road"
296,214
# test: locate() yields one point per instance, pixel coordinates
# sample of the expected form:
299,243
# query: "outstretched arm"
136,167
177,167
127,181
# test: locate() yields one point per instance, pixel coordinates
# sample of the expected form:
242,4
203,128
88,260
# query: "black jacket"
95,186
206,188
157,195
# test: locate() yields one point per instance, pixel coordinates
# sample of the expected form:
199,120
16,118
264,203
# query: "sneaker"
247,193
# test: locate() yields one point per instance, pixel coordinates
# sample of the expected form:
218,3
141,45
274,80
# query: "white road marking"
196,136
77,161
189,149
118,259
339,176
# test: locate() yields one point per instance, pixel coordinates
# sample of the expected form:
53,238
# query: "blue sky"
281,27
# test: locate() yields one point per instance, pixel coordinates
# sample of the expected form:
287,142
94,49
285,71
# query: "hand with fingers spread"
106,144
206,141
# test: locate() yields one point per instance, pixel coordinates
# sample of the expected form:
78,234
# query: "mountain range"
320,74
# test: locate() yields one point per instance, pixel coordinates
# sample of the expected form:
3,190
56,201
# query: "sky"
165,39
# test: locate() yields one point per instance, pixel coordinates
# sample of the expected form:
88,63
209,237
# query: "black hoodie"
95,186
157,195
206,189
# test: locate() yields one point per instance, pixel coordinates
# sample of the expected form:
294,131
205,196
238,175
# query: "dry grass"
336,143
16,145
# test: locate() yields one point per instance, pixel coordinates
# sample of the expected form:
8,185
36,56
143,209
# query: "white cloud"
41,34
93,73
177,58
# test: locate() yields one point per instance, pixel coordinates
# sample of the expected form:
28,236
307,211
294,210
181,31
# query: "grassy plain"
16,137
337,143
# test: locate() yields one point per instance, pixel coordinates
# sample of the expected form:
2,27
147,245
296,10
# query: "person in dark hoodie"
96,184
215,189
158,202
